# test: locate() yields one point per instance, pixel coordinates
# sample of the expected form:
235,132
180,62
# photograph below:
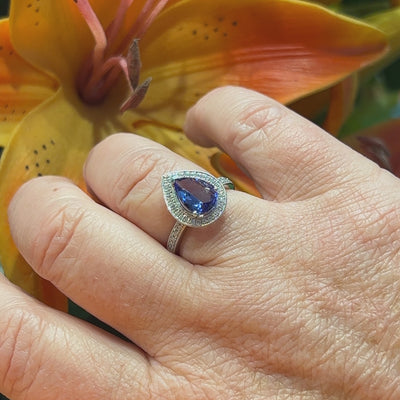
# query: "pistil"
103,66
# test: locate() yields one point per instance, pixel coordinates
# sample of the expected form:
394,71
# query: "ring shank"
175,236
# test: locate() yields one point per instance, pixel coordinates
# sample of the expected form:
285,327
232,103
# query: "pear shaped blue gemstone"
196,195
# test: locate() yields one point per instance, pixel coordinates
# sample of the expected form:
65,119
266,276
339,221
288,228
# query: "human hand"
294,296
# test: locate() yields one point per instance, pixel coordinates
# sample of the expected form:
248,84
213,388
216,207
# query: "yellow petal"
53,139
171,137
22,87
4,139
53,35
283,48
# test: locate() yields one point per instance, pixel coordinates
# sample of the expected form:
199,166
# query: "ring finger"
125,171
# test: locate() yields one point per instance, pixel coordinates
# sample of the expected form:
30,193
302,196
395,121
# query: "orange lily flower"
338,102
65,70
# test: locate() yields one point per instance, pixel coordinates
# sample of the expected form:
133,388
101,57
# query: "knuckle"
256,125
19,341
271,129
58,241
140,179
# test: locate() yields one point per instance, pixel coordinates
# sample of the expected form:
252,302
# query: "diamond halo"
184,215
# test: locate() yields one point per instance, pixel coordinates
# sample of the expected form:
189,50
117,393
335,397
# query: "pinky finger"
45,354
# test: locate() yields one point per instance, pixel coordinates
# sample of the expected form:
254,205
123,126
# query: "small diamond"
197,196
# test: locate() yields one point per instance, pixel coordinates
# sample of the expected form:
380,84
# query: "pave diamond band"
194,199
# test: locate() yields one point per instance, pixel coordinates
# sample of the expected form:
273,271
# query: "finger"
124,171
46,353
288,156
101,261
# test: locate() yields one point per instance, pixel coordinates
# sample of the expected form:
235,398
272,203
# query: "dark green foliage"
361,8
392,75
3,12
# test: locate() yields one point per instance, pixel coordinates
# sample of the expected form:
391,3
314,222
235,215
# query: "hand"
293,296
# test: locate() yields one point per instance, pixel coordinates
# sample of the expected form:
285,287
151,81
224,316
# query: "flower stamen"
96,29
144,20
113,28
103,66
106,75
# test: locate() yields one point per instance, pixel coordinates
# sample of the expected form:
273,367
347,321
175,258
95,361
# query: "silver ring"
194,199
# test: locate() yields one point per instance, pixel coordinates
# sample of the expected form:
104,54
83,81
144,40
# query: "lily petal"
63,51
22,87
53,36
50,147
284,48
171,137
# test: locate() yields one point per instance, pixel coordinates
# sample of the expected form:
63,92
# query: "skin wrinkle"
185,377
246,361
290,192
255,121
57,338
9,360
164,297
231,240
145,162
139,185
60,245
24,348
337,202
349,294
266,126
370,234
216,360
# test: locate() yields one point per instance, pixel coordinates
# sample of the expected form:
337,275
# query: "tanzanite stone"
196,195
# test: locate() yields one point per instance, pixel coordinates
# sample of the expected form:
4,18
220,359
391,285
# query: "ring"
194,199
